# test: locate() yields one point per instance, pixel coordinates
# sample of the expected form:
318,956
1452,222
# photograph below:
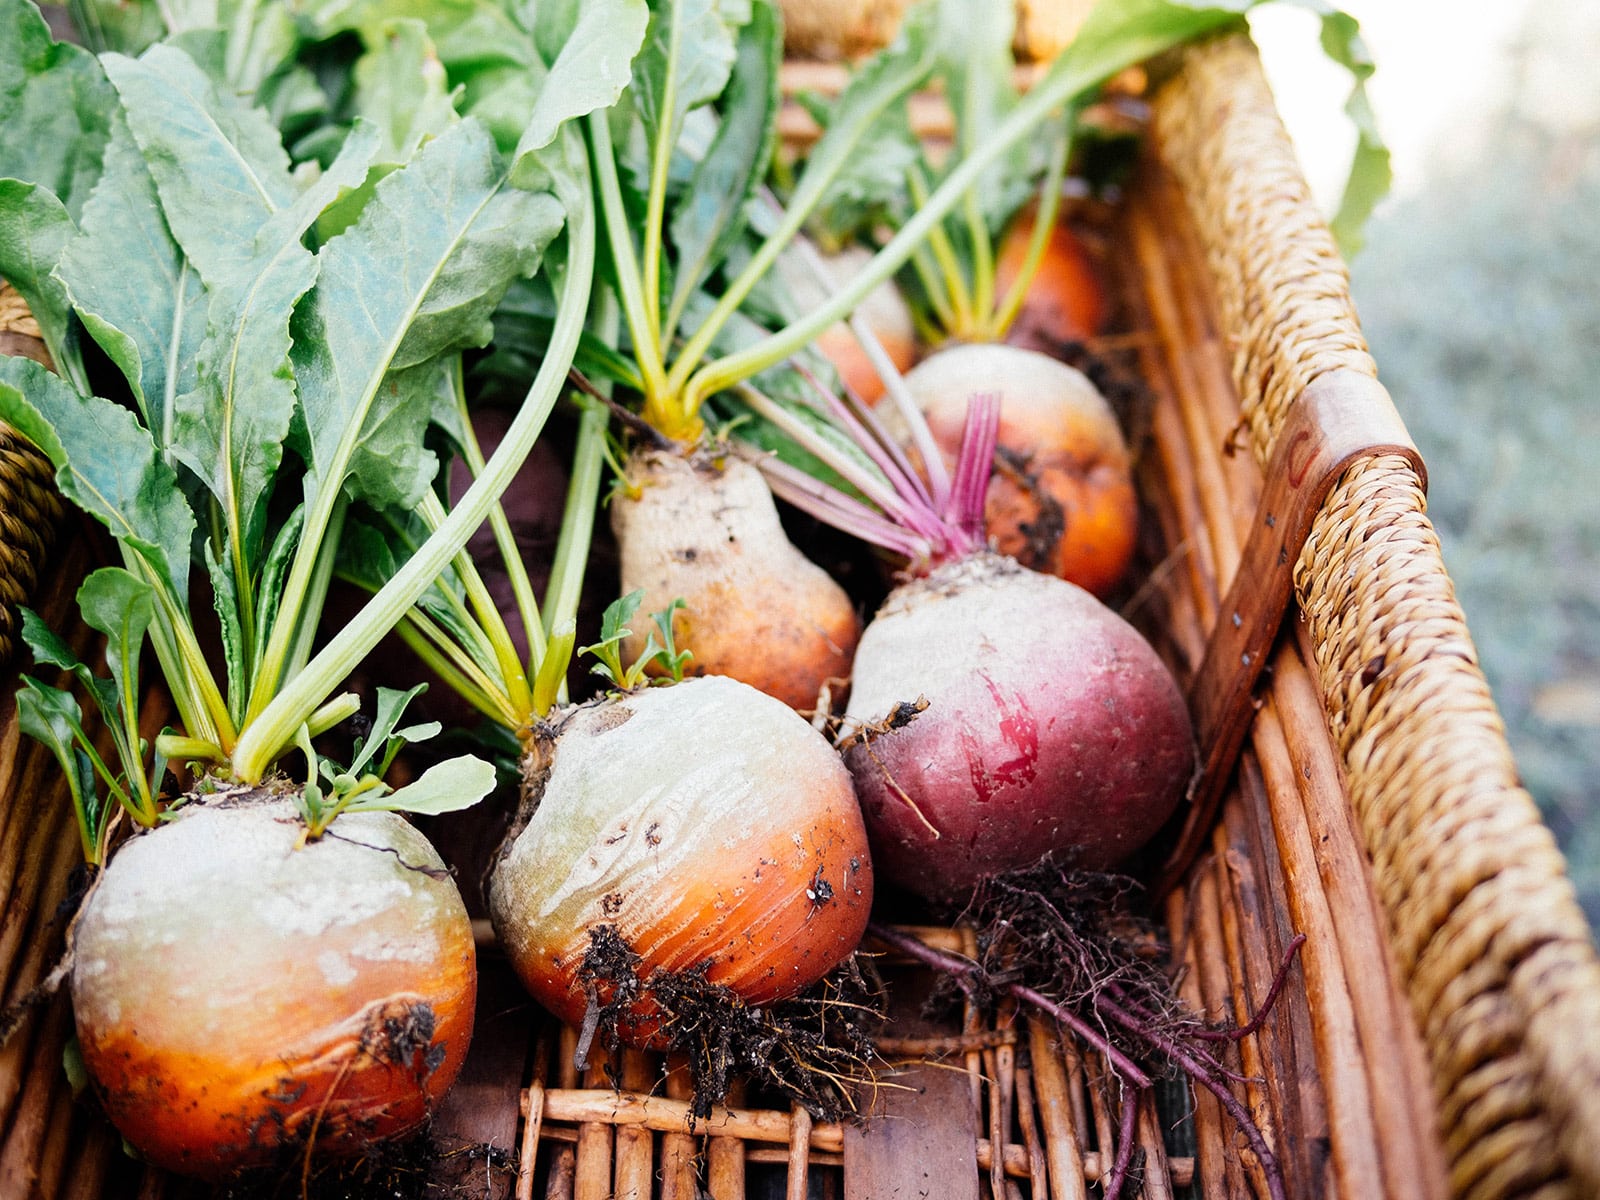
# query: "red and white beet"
1047,725
1051,726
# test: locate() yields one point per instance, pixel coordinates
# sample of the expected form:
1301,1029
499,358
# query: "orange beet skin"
234,989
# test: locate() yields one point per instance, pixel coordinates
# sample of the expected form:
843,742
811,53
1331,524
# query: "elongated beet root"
235,989
1051,725
755,608
705,823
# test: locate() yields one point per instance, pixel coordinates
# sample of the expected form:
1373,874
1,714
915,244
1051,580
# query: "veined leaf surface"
55,107
418,274
134,288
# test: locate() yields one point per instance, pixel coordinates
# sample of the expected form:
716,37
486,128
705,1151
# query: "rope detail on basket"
1343,417
30,506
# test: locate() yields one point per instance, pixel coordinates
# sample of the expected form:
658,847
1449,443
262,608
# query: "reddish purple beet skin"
1051,725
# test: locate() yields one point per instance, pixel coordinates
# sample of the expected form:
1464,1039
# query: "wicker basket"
30,506
1441,1031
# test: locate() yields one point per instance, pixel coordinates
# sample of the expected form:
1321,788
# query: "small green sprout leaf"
53,717
613,631
449,786
391,706
670,657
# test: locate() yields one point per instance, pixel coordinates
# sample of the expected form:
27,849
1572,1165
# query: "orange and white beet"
707,824
240,992
1062,497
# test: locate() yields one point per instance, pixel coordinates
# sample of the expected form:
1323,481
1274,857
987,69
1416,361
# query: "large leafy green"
35,228
591,52
688,54
483,47
218,163
418,275
706,221
401,89
230,429
55,107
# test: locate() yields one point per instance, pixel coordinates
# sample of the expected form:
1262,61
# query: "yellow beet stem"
512,676
982,264
938,300
955,281
505,541
551,682
469,683
1038,239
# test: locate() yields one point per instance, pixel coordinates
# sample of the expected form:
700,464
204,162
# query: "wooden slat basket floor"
1440,1034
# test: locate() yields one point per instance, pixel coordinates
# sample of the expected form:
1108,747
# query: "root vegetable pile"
288,268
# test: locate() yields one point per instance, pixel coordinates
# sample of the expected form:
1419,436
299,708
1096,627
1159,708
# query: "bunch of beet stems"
511,692
1109,42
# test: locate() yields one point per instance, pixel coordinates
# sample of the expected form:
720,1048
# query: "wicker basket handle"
1342,417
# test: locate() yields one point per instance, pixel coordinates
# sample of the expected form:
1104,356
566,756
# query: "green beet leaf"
134,288
418,275
590,48
230,429
35,228
52,716
132,491
55,107
707,221
448,786
401,88
117,604
218,163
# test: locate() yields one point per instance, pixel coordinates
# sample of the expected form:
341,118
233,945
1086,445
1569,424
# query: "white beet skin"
1051,725
755,608
230,983
704,821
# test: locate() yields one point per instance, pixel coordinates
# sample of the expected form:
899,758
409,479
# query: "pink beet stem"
974,463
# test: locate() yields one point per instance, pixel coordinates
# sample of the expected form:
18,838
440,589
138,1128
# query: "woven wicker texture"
30,507
1494,952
